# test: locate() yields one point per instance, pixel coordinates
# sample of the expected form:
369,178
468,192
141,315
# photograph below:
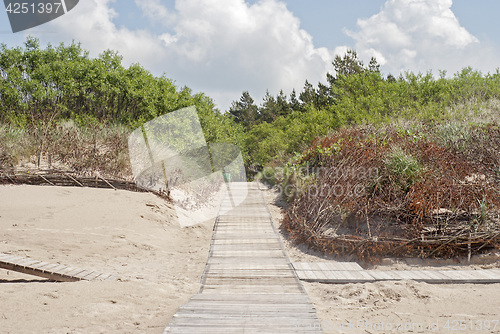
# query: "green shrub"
403,166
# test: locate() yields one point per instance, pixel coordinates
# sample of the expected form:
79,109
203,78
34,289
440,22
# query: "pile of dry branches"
67,179
395,193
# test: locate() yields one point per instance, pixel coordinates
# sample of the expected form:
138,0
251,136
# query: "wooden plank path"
350,272
249,285
55,272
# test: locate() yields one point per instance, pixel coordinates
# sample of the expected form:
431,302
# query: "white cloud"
253,47
153,9
92,25
220,47
420,35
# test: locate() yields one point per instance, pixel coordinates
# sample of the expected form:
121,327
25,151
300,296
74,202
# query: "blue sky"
223,47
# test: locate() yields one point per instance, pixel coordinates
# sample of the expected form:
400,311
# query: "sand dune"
132,235
136,237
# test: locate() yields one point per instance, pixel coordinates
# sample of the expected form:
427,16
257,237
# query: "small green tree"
244,111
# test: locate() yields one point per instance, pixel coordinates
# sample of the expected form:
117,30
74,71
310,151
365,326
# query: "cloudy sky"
223,47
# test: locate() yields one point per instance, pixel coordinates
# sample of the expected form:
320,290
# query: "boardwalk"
349,272
249,285
53,271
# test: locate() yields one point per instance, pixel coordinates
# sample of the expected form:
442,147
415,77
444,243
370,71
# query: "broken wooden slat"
52,271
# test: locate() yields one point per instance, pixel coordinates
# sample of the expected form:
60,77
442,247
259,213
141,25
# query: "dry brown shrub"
381,192
87,150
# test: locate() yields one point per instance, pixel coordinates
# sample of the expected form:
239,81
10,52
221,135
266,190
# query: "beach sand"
136,237
131,235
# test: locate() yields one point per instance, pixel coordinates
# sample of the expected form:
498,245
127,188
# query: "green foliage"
244,111
454,135
39,86
404,168
280,139
359,94
266,142
349,65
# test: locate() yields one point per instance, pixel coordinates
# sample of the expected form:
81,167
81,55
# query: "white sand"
132,235
135,236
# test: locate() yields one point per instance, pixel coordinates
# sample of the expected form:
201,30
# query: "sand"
132,235
136,237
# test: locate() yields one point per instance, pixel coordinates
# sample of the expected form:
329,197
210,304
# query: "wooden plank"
283,281
11,258
217,267
351,266
4,255
75,272
313,266
248,253
244,247
82,274
297,266
442,278
59,267
53,271
25,262
102,277
422,275
452,274
244,272
40,265
379,275
466,275
66,270
332,276
92,276
490,274
433,277
487,275
49,267
429,276
260,310
250,289
253,298
271,240
249,284
307,266
320,275
355,276
310,273
246,259
323,266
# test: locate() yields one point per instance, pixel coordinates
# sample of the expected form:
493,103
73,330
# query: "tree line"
356,94
43,85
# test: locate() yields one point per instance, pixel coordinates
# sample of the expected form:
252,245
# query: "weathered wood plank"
53,271
249,284
428,276
271,240
245,247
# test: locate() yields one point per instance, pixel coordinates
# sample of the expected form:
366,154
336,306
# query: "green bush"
403,167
